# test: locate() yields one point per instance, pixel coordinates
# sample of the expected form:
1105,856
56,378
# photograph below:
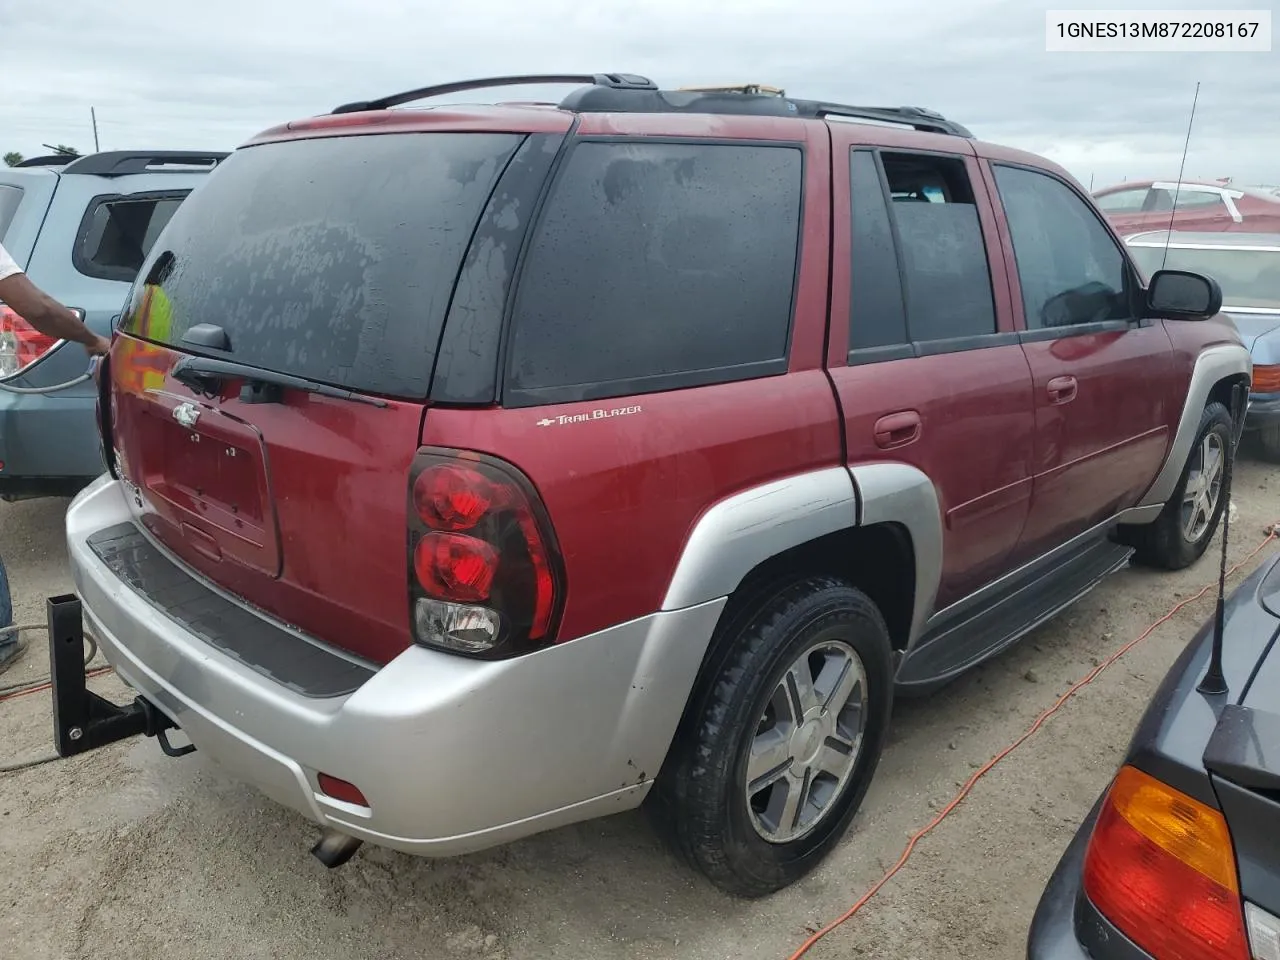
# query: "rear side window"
658,265
117,233
332,259
10,197
944,258
1122,201
876,315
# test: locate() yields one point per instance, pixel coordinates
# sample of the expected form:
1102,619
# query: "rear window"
10,197
332,259
656,266
118,232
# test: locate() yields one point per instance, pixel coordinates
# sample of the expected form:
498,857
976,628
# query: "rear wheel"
1181,534
782,740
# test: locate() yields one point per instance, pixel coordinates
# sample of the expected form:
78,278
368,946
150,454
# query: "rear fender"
743,531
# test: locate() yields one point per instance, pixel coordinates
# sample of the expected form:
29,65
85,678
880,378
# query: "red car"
1138,206
478,470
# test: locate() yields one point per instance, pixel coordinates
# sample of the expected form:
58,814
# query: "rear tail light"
1160,866
1266,378
20,343
485,573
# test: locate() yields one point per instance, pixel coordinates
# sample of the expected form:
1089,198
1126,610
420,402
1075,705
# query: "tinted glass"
1249,278
1069,267
876,316
332,259
659,264
121,233
1122,201
944,259
10,197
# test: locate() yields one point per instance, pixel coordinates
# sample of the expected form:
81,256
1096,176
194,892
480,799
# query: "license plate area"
206,474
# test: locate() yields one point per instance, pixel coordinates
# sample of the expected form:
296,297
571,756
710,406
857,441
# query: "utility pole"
93,115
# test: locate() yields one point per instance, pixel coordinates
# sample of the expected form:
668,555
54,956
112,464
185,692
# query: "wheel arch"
1217,369
877,525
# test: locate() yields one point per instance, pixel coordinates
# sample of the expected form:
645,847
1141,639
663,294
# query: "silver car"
81,228
1247,267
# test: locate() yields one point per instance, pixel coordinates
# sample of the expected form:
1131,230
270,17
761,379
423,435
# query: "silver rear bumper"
453,755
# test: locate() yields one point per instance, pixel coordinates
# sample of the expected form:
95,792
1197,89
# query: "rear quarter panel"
624,491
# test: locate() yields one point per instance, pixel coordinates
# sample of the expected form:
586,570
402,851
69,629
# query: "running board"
958,646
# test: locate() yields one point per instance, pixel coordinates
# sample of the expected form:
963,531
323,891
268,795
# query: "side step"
958,646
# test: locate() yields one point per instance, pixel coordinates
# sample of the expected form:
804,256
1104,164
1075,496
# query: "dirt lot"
127,854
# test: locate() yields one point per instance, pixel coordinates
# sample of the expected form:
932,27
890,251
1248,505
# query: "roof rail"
119,163
48,160
920,118
615,81
746,88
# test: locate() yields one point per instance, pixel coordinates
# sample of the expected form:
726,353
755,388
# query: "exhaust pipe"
333,849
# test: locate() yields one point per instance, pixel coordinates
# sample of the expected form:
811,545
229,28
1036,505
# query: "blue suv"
81,228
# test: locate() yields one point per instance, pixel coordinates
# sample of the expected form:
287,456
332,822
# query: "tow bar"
82,720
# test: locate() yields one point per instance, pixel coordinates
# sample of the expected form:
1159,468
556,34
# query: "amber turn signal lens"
1266,378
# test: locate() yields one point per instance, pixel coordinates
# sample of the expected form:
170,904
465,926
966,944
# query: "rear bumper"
1262,412
48,444
453,755
1066,925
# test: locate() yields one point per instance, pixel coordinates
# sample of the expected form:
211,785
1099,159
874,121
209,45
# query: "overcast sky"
209,75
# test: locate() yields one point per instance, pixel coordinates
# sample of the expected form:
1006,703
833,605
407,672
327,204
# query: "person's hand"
98,346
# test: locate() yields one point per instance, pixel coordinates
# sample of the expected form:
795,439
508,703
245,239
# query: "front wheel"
1181,534
782,741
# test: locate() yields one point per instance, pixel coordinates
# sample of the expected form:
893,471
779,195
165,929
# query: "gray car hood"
1256,326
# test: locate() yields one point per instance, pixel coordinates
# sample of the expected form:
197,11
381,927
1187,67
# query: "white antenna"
1178,186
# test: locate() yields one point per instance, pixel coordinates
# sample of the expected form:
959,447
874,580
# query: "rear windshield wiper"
206,375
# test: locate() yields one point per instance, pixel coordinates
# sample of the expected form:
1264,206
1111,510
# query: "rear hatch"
270,382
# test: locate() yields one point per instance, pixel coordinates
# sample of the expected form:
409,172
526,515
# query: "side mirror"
1180,295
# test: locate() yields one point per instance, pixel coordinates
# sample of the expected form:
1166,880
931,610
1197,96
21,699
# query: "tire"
1269,443
1171,542
819,627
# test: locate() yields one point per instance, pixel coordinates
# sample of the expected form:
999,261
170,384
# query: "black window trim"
115,274
920,348
513,398
1137,289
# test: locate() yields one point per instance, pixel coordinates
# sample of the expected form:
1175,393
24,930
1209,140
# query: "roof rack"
630,93
119,163
613,81
919,118
48,160
748,88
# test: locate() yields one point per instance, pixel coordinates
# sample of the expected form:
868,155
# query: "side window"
117,234
658,265
1122,201
1198,200
944,259
1069,267
876,314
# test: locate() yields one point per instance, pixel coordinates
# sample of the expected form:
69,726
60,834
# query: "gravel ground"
124,853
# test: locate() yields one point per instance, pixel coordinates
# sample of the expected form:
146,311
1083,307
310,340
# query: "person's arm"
47,315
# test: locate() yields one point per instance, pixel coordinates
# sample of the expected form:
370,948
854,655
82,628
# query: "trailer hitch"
82,720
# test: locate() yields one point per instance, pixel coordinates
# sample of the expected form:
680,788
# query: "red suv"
477,470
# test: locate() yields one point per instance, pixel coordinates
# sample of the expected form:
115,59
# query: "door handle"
1062,389
897,429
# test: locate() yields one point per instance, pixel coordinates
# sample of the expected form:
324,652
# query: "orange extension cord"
1272,533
